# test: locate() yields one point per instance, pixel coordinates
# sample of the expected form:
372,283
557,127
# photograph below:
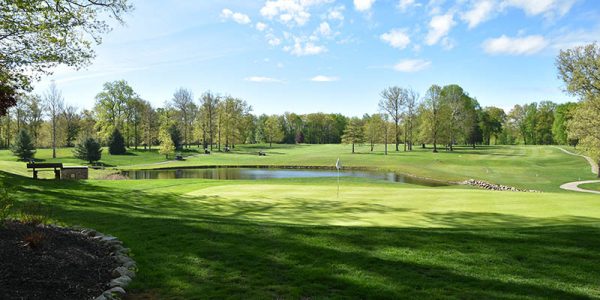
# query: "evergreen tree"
176,137
89,150
23,146
116,143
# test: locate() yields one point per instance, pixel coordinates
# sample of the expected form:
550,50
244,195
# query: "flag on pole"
338,166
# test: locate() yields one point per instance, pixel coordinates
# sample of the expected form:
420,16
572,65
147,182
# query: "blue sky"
336,56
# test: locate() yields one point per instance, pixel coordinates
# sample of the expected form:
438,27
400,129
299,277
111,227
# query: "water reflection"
271,173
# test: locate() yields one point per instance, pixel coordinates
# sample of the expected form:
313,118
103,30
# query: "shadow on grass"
187,247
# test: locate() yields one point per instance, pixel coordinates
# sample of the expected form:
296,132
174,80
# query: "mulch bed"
40,262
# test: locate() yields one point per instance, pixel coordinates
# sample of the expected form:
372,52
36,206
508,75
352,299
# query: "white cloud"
480,11
237,17
323,78
363,5
336,13
305,49
439,27
397,38
273,40
324,29
404,5
412,65
260,26
515,46
290,11
262,79
550,8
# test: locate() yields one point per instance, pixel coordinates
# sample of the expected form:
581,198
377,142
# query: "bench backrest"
44,165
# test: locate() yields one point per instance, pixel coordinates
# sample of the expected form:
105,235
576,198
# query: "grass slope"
591,186
294,239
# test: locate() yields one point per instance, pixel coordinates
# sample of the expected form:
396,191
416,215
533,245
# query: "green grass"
532,167
590,186
294,238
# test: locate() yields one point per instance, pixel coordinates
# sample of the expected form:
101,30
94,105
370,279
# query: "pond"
225,173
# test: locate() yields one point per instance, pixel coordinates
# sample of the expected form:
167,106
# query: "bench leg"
35,176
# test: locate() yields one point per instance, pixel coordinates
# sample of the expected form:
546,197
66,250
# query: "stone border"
495,187
123,274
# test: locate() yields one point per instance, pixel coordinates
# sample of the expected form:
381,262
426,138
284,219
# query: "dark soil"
38,262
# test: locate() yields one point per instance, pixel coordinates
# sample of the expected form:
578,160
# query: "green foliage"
166,144
272,130
562,115
176,137
116,143
580,70
89,150
7,200
23,147
354,132
39,35
34,212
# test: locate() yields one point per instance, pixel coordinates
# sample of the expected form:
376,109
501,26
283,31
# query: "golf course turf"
294,238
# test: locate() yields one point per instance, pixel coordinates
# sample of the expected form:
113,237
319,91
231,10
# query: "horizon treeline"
443,116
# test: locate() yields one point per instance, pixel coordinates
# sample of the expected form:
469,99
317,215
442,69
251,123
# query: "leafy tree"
434,114
71,119
272,130
116,143
54,105
373,129
89,150
579,68
491,120
392,101
410,117
562,115
354,133
39,35
183,102
209,104
112,106
166,144
23,147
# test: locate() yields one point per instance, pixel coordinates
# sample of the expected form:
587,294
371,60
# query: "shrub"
88,150
23,147
116,143
7,202
34,213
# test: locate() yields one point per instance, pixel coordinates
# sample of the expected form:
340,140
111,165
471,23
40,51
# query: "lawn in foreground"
294,238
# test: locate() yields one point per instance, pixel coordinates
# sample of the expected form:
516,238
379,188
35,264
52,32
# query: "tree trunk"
396,135
434,146
53,137
352,148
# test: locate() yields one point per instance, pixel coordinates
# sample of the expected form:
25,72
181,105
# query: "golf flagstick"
338,166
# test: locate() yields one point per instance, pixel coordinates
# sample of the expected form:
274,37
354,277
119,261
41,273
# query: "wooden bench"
56,166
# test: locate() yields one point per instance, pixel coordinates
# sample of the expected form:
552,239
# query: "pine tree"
116,143
89,150
23,147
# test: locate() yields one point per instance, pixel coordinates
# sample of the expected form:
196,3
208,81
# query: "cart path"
574,186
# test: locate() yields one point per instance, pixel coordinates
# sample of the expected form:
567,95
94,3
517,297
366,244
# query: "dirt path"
574,186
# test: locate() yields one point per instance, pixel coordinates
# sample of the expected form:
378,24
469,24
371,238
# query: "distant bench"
56,166
60,171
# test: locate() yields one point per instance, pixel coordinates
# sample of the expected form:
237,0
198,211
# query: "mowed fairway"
294,238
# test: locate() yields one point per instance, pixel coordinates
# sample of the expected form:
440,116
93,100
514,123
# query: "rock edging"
495,187
123,274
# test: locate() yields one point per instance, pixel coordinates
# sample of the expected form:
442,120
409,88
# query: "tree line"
444,116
